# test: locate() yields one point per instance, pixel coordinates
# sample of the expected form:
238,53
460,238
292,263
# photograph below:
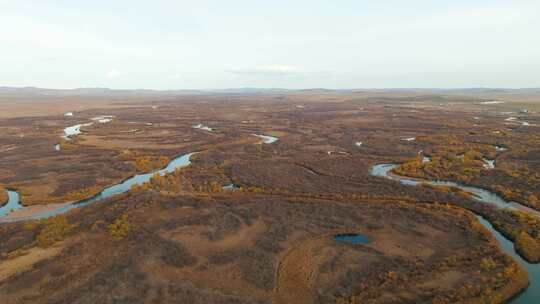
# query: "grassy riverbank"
3,196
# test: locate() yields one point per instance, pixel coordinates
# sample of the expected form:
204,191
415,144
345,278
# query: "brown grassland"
3,196
182,238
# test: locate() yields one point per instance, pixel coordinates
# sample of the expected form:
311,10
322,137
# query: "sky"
204,44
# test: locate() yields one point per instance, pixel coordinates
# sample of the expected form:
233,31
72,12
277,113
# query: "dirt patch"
297,272
26,260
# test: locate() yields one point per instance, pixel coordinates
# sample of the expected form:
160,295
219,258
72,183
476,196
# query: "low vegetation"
528,246
487,264
66,145
81,194
150,163
455,160
182,235
53,230
119,228
193,238
524,230
3,196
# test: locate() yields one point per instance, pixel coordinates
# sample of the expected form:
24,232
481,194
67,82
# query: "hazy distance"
283,44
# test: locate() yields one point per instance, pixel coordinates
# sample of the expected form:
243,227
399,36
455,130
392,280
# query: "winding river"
14,211
14,203
532,293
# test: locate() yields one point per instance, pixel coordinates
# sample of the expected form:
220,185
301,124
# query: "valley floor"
183,238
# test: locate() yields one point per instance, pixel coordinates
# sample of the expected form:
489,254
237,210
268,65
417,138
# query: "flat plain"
269,236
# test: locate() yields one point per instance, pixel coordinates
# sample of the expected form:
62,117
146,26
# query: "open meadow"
274,182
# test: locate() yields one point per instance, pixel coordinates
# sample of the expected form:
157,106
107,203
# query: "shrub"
30,225
67,145
533,200
119,229
149,163
3,196
487,264
392,275
81,194
54,230
527,246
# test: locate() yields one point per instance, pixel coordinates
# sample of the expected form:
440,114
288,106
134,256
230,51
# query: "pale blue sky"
289,44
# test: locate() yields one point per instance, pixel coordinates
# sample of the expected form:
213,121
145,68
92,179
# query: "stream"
14,202
532,293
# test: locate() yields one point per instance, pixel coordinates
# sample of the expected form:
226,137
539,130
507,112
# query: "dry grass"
3,196
25,260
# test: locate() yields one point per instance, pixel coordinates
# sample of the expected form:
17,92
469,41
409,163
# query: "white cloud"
113,73
414,43
269,70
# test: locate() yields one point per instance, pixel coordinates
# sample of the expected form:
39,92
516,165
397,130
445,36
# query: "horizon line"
267,88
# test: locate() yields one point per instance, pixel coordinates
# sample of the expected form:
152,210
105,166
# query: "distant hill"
34,91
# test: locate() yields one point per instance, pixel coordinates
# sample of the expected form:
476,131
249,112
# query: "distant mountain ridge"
132,92
35,91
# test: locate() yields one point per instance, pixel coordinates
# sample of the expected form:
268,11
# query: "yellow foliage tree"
54,230
119,229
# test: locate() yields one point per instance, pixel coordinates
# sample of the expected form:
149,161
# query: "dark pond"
353,238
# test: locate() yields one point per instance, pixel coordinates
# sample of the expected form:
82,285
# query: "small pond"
352,238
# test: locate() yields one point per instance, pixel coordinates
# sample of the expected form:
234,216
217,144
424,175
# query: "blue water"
230,187
532,294
14,201
352,238
478,194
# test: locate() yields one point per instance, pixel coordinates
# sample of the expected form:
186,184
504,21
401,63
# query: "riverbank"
33,212
186,238
195,242
516,222
3,196
517,273
510,291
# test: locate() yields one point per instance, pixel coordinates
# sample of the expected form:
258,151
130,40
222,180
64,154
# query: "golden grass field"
182,236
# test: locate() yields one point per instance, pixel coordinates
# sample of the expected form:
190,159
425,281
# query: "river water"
532,293
15,204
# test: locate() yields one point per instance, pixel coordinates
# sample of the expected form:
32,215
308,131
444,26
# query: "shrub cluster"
53,230
119,229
